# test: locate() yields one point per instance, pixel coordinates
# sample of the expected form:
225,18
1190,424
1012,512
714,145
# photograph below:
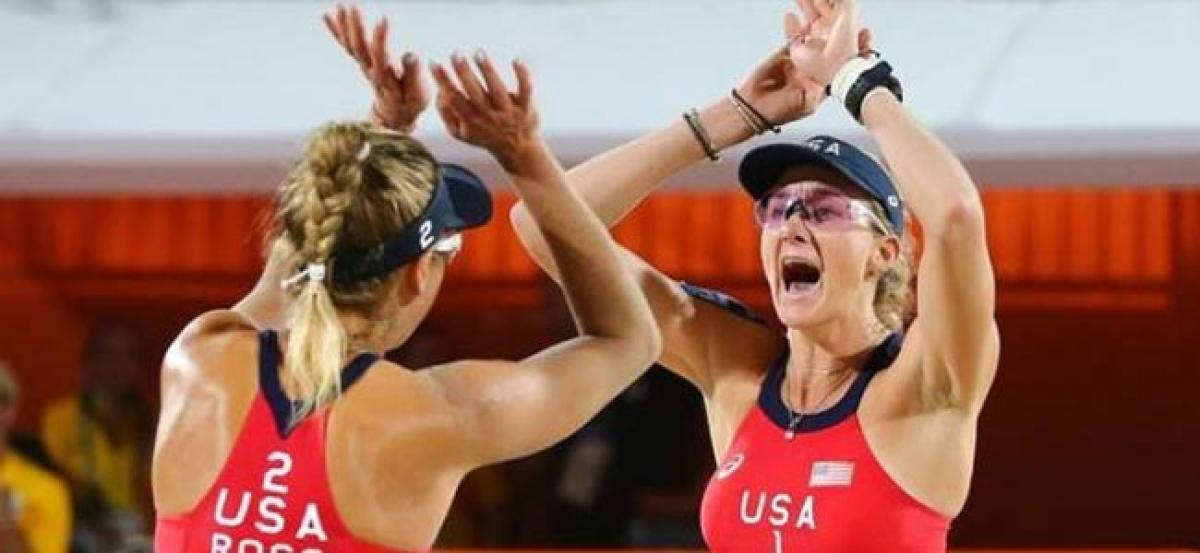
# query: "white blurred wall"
180,95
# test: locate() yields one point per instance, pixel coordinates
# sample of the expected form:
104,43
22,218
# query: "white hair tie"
313,272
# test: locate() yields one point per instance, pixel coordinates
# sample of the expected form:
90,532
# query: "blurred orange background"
1090,435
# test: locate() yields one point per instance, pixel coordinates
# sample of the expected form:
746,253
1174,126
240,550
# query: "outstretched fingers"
450,116
408,73
357,35
448,90
466,77
809,9
524,97
333,27
378,63
497,92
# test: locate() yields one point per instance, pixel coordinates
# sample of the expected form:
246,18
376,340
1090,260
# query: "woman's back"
372,465
358,451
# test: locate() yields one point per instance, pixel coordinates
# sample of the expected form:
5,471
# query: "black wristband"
875,77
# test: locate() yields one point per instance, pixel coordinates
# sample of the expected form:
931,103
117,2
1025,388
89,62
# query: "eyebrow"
817,184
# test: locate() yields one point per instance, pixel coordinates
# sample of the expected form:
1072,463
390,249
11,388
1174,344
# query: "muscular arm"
540,400
955,282
698,338
612,184
513,409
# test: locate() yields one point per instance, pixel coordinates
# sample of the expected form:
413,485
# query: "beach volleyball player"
300,437
854,430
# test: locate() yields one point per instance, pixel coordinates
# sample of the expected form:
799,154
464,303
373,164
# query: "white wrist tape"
848,74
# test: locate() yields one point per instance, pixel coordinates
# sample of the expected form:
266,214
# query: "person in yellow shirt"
35,505
99,437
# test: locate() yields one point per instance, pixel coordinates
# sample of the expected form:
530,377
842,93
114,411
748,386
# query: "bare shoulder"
396,397
468,386
731,343
207,343
741,350
401,418
387,383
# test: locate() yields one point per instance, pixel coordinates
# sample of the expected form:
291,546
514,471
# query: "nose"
795,228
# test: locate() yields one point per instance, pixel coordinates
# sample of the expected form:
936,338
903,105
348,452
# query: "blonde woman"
302,438
855,429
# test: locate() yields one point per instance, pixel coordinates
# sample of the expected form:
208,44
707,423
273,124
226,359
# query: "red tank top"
822,491
273,494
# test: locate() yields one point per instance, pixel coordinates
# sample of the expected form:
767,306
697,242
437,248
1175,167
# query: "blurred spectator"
100,437
589,507
635,474
35,507
665,459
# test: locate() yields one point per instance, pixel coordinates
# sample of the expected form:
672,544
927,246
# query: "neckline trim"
770,398
283,407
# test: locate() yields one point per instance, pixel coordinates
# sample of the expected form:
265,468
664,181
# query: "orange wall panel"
1098,291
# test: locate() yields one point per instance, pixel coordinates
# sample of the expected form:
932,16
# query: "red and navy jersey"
273,493
819,489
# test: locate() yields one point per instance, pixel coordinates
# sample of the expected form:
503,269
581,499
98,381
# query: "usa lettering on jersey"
778,510
263,511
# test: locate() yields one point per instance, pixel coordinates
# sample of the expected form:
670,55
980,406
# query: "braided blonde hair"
354,188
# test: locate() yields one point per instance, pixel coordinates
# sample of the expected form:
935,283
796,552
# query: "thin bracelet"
763,121
747,118
693,120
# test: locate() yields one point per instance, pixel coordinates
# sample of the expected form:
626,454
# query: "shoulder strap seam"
723,301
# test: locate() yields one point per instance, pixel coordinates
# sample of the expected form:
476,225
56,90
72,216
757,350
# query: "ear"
418,273
887,251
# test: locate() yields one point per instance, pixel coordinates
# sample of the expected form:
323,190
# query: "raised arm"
614,182
956,287
401,96
514,409
957,300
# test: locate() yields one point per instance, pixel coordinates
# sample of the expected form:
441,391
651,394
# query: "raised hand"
779,91
401,94
824,37
484,112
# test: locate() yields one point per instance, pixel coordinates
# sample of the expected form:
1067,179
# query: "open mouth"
800,275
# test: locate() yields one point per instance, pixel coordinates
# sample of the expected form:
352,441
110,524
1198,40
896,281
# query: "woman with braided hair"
290,433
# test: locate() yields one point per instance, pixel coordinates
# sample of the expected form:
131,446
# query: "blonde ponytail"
355,188
315,348
329,177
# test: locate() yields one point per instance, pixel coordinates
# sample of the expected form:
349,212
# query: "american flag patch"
831,473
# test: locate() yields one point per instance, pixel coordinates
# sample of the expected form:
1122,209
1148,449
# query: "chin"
798,314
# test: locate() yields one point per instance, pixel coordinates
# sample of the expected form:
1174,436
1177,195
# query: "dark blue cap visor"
460,201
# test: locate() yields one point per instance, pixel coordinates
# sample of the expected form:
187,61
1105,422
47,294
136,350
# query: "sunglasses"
448,246
820,207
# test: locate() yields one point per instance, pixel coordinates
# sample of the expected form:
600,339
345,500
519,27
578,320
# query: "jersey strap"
722,300
770,397
282,407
